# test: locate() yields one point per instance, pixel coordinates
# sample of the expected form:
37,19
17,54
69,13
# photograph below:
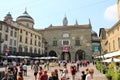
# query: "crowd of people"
14,72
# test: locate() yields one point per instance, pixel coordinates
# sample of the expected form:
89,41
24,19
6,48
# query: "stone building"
69,42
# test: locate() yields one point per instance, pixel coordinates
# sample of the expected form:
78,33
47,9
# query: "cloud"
111,13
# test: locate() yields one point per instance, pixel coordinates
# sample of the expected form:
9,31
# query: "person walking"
73,71
25,69
65,75
35,70
56,74
7,77
89,76
44,76
20,76
40,72
53,76
83,76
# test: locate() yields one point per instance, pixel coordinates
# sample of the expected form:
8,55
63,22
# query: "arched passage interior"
79,55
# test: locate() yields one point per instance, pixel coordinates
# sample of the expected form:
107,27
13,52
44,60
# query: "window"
0,26
26,33
113,45
15,34
35,42
6,29
35,50
55,43
14,42
96,48
26,40
39,37
21,31
77,42
20,48
31,41
39,51
65,42
6,37
20,38
27,24
31,49
39,43
14,50
119,43
11,42
11,33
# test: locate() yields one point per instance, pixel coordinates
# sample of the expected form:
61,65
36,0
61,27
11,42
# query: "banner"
65,48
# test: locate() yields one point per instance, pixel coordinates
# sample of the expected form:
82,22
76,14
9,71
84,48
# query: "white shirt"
88,77
65,75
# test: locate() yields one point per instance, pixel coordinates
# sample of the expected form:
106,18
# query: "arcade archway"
79,55
66,56
52,53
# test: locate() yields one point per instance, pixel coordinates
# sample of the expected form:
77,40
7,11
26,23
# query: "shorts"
35,73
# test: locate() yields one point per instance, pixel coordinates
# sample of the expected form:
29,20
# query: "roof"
85,26
25,17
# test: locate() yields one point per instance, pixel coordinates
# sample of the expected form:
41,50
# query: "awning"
111,59
113,54
109,55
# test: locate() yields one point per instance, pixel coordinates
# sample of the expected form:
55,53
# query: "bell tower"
118,6
65,21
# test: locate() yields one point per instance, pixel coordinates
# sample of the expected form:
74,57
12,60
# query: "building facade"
103,39
69,42
20,37
111,37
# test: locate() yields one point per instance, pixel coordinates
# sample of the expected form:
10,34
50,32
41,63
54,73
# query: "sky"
102,13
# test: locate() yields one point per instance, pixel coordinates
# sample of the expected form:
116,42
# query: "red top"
44,77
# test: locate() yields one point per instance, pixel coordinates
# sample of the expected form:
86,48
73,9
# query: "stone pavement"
97,74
